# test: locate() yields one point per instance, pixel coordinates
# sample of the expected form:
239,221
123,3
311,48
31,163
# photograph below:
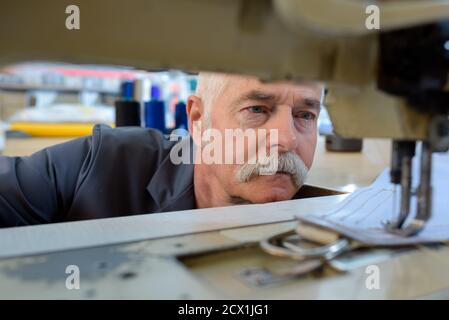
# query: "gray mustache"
288,162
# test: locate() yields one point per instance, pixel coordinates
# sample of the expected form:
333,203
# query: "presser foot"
398,228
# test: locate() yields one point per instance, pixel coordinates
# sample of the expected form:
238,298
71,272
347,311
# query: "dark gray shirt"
114,172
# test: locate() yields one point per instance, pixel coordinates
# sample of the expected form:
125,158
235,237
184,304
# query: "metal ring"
328,251
295,252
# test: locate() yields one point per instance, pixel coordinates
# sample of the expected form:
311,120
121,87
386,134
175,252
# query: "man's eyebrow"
309,103
256,95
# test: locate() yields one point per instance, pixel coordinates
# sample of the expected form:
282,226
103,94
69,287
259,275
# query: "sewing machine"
387,83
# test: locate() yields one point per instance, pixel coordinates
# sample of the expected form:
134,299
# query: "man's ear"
196,113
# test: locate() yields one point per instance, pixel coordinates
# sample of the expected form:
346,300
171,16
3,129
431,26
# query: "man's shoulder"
123,139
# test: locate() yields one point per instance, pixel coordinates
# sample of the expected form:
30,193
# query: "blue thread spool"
180,116
127,90
127,111
155,92
155,115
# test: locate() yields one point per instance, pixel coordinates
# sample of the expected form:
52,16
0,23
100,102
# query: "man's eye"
256,109
307,116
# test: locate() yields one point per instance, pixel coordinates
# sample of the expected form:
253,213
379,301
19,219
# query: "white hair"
210,85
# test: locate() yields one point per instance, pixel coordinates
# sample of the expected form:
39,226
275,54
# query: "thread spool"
180,116
127,113
127,90
155,115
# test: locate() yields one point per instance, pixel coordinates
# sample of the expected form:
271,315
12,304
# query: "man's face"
291,109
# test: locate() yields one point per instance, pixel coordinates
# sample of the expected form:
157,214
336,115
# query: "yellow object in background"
36,129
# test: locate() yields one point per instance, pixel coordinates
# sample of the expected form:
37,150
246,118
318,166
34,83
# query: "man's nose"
284,123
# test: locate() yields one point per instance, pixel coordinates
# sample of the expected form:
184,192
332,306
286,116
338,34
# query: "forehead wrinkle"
256,95
302,95
261,94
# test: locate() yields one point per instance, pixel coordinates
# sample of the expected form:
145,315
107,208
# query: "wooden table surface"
343,171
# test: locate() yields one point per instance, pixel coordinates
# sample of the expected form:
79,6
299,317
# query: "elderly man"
128,171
